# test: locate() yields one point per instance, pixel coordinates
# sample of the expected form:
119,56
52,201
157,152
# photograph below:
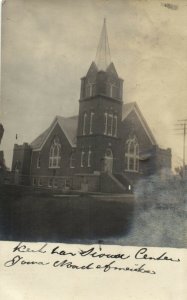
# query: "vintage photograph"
94,122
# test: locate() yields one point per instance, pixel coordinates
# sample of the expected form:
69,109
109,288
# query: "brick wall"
66,151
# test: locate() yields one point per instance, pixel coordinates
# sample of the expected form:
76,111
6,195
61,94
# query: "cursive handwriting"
70,265
91,252
100,260
105,268
62,252
142,254
19,259
23,248
111,266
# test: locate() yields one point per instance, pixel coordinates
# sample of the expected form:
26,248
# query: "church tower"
100,114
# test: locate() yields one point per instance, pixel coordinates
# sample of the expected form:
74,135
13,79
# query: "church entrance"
108,161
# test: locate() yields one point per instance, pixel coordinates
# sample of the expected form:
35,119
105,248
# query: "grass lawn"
36,216
28,215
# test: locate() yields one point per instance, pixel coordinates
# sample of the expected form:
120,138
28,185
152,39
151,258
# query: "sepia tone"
96,158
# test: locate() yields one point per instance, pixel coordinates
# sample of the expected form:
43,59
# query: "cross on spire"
103,59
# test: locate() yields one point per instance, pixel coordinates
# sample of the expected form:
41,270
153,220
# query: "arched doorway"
108,161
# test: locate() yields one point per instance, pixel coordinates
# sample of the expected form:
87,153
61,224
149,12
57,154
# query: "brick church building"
107,147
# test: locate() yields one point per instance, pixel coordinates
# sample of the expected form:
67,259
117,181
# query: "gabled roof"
68,126
132,106
127,108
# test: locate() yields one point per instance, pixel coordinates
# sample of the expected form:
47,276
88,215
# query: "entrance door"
108,161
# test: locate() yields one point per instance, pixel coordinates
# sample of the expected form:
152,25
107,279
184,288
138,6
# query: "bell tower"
100,113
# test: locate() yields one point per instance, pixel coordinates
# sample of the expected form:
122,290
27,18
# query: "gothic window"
72,160
38,161
90,89
89,157
55,154
115,127
82,159
110,124
84,123
106,119
132,155
91,122
113,91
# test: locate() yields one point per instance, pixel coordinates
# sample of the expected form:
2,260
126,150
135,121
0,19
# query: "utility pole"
181,127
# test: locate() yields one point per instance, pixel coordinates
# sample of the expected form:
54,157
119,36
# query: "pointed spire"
103,59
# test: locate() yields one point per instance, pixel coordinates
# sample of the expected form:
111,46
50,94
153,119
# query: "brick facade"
109,143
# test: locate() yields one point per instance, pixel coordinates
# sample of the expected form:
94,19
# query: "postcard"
93,171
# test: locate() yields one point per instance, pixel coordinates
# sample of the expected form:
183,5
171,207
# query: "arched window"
106,119
89,157
55,154
132,155
91,122
110,124
84,123
113,91
115,124
90,89
72,160
38,161
82,159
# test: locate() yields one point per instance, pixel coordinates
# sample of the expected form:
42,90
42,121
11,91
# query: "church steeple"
102,78
100,112
103,59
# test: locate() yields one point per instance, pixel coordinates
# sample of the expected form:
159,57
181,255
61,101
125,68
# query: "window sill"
131,171
53,167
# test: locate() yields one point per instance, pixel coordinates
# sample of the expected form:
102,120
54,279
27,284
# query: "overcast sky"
47,46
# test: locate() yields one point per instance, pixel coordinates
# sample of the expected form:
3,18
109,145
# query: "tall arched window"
89,157
132,155
72,160
113,90
105,120
82,159
55,154
91,122
90,89
110,124
38,161
84,123
115,124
